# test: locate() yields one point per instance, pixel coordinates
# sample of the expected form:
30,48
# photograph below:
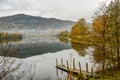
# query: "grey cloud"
63,9
14,5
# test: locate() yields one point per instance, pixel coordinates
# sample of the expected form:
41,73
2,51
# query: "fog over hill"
33,24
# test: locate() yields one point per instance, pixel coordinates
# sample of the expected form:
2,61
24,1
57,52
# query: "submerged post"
56,71
86,67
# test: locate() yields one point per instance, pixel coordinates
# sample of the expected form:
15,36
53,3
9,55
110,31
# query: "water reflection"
80,48
65,40
9,40
46,50
45,64
6,49
36,45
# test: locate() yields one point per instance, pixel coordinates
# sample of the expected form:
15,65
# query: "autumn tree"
79,30
100,28
114,24
63,34
106,28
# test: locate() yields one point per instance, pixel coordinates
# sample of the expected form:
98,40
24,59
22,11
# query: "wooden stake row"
74,66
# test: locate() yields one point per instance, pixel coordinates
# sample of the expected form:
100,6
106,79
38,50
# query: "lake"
37,45
42,51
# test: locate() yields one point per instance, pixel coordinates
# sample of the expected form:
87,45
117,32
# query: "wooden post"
56,62
92,71
86,67
67,65
56,68
80,68
61,64
68,69
73,63
61,61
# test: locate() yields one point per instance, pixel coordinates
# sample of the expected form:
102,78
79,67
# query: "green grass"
109,75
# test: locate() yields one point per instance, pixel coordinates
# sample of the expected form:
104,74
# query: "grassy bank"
109,75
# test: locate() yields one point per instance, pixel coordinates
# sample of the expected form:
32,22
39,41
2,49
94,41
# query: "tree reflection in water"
8,49
80,48
6,41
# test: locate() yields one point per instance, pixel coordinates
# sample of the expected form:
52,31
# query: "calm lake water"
43,51
37,45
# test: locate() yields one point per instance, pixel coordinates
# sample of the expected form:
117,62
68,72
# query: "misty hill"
22,21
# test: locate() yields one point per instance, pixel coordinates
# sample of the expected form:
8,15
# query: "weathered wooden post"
68,68
56,62
73,63
62,64
86,67
61,61
80,68
56,68
92,71
67,65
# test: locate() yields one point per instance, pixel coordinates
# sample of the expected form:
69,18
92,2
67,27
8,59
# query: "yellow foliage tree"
80,29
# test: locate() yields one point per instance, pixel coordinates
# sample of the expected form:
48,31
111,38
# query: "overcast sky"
61,9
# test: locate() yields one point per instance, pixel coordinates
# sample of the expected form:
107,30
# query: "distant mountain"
22,21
